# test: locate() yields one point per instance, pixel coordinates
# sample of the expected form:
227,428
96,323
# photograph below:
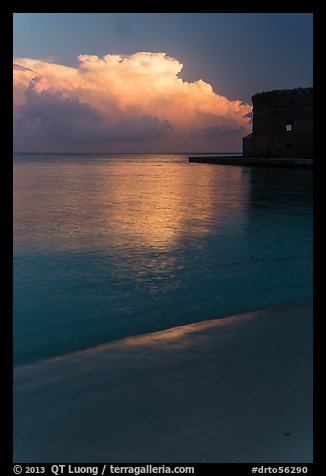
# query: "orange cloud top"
122,91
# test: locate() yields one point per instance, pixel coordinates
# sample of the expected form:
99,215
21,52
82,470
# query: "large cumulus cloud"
132,100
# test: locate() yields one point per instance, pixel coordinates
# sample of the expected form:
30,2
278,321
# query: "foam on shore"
231,390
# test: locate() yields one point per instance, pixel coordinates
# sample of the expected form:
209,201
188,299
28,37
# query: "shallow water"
107,246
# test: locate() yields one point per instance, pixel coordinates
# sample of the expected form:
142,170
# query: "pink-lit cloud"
121,103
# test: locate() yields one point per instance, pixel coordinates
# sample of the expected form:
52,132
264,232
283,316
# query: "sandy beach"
237,389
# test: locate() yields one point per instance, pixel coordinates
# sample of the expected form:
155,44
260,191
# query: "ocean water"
113,245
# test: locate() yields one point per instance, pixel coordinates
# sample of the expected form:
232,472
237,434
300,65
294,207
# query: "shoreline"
236,389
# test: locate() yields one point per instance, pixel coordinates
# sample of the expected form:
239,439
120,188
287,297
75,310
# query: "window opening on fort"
289,125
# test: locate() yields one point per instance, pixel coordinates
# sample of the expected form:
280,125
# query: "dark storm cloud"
145,128
221,131
55,116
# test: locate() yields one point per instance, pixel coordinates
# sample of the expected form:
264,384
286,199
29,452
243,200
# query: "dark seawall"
253,161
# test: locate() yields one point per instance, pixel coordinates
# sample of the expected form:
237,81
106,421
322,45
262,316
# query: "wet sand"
230,390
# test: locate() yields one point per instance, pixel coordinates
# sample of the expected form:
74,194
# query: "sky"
150,82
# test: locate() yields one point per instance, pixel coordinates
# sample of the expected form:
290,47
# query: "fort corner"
282,132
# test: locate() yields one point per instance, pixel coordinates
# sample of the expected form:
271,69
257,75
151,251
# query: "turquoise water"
107,246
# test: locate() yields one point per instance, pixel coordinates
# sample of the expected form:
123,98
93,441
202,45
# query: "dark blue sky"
238,54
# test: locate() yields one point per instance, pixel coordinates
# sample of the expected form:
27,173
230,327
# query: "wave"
172,336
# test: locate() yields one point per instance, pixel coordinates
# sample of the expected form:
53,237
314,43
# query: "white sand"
232,390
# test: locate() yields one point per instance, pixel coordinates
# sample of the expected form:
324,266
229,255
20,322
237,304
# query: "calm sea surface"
107,246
